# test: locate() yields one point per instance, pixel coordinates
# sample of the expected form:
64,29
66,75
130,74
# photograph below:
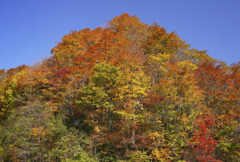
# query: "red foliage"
153,99
202,142
62,72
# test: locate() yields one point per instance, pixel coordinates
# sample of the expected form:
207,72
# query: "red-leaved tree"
202,144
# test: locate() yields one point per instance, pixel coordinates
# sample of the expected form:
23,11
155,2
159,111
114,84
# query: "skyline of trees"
126,92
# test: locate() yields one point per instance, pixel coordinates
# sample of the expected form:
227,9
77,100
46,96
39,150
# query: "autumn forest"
125,92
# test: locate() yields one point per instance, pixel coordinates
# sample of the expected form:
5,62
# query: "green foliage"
228,151
27,135
70,147
139,156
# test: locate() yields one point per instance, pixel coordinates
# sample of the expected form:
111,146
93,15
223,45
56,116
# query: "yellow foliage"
161,154
160,58
188,65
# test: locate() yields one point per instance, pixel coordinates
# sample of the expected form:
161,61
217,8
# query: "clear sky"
29,29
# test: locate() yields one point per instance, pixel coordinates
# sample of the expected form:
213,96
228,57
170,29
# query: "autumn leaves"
130,91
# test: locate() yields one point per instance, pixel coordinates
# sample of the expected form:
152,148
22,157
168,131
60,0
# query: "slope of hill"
130,92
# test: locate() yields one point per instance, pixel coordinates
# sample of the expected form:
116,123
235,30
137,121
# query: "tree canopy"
126,92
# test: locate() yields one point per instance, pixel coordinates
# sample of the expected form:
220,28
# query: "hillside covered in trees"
126,92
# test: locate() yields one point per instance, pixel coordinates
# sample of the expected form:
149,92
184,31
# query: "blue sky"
29,29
